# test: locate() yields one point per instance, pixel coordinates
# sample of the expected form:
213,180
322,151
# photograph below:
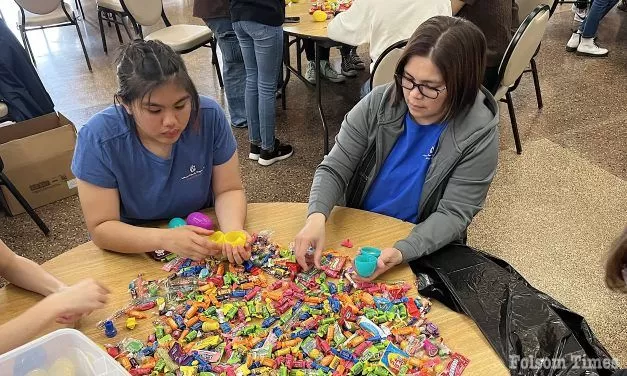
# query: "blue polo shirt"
396,190
109,154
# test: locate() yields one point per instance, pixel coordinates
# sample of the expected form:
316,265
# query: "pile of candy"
233,320
331,7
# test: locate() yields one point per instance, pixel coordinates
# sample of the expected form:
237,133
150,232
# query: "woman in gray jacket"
422,149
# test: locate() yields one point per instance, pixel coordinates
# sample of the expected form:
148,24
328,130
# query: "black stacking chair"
4,180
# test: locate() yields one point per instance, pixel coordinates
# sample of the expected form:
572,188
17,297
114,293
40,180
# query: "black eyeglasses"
426,90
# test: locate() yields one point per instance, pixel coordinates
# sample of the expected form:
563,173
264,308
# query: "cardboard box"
37,155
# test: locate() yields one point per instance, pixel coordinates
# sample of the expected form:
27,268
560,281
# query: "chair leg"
512,117
80,37
102,34
216,62
126,28
117,27
79,6
536,82
28,47
5,181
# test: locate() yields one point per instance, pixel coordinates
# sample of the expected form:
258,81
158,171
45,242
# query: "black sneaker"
356,60
280,152
348,68
255,150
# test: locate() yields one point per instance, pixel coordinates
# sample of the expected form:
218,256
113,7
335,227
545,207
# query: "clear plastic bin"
64,352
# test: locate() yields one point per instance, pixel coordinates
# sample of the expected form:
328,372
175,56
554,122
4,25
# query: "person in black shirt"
258,25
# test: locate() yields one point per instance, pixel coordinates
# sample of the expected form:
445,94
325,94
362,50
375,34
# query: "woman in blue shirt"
421,149
161,152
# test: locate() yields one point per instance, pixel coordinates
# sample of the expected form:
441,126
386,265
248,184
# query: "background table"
285,220
316,32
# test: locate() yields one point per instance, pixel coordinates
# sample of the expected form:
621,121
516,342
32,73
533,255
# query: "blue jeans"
598,10
365,89
233,69
262,49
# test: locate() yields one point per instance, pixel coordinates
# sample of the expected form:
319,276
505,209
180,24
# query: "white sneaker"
327,71
573,42
580,14
588,47
310,73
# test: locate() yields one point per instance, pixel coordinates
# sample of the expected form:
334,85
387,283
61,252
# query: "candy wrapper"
456,365
394,359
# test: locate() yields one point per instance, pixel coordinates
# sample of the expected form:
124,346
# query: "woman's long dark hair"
458,49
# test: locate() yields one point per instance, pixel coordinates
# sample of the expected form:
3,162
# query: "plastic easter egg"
319,16
365,265
372,251
200,220
235,238
176,222
217,237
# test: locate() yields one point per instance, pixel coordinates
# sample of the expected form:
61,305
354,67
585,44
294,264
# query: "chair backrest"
39,6
144,12
525,7
522,48
385,66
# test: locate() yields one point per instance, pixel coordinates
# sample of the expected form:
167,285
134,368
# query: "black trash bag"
533,333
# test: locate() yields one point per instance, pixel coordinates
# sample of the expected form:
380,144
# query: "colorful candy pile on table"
330,7
219,319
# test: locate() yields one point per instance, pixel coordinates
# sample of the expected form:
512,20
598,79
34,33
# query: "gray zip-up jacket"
457,181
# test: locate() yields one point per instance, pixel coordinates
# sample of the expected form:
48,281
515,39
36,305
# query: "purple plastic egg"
200,220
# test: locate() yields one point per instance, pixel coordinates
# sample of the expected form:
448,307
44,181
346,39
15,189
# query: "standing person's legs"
598,10
268,41
233,68
267,46
251,96
588,28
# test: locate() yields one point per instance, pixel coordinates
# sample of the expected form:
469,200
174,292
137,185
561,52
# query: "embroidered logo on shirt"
193,172
430,154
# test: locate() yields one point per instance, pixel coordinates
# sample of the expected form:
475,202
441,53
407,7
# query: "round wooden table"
285,220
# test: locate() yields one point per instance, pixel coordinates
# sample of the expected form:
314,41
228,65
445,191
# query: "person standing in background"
583,39
498,19
258,25
215,13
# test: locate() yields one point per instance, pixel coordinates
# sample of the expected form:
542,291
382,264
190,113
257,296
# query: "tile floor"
551,212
